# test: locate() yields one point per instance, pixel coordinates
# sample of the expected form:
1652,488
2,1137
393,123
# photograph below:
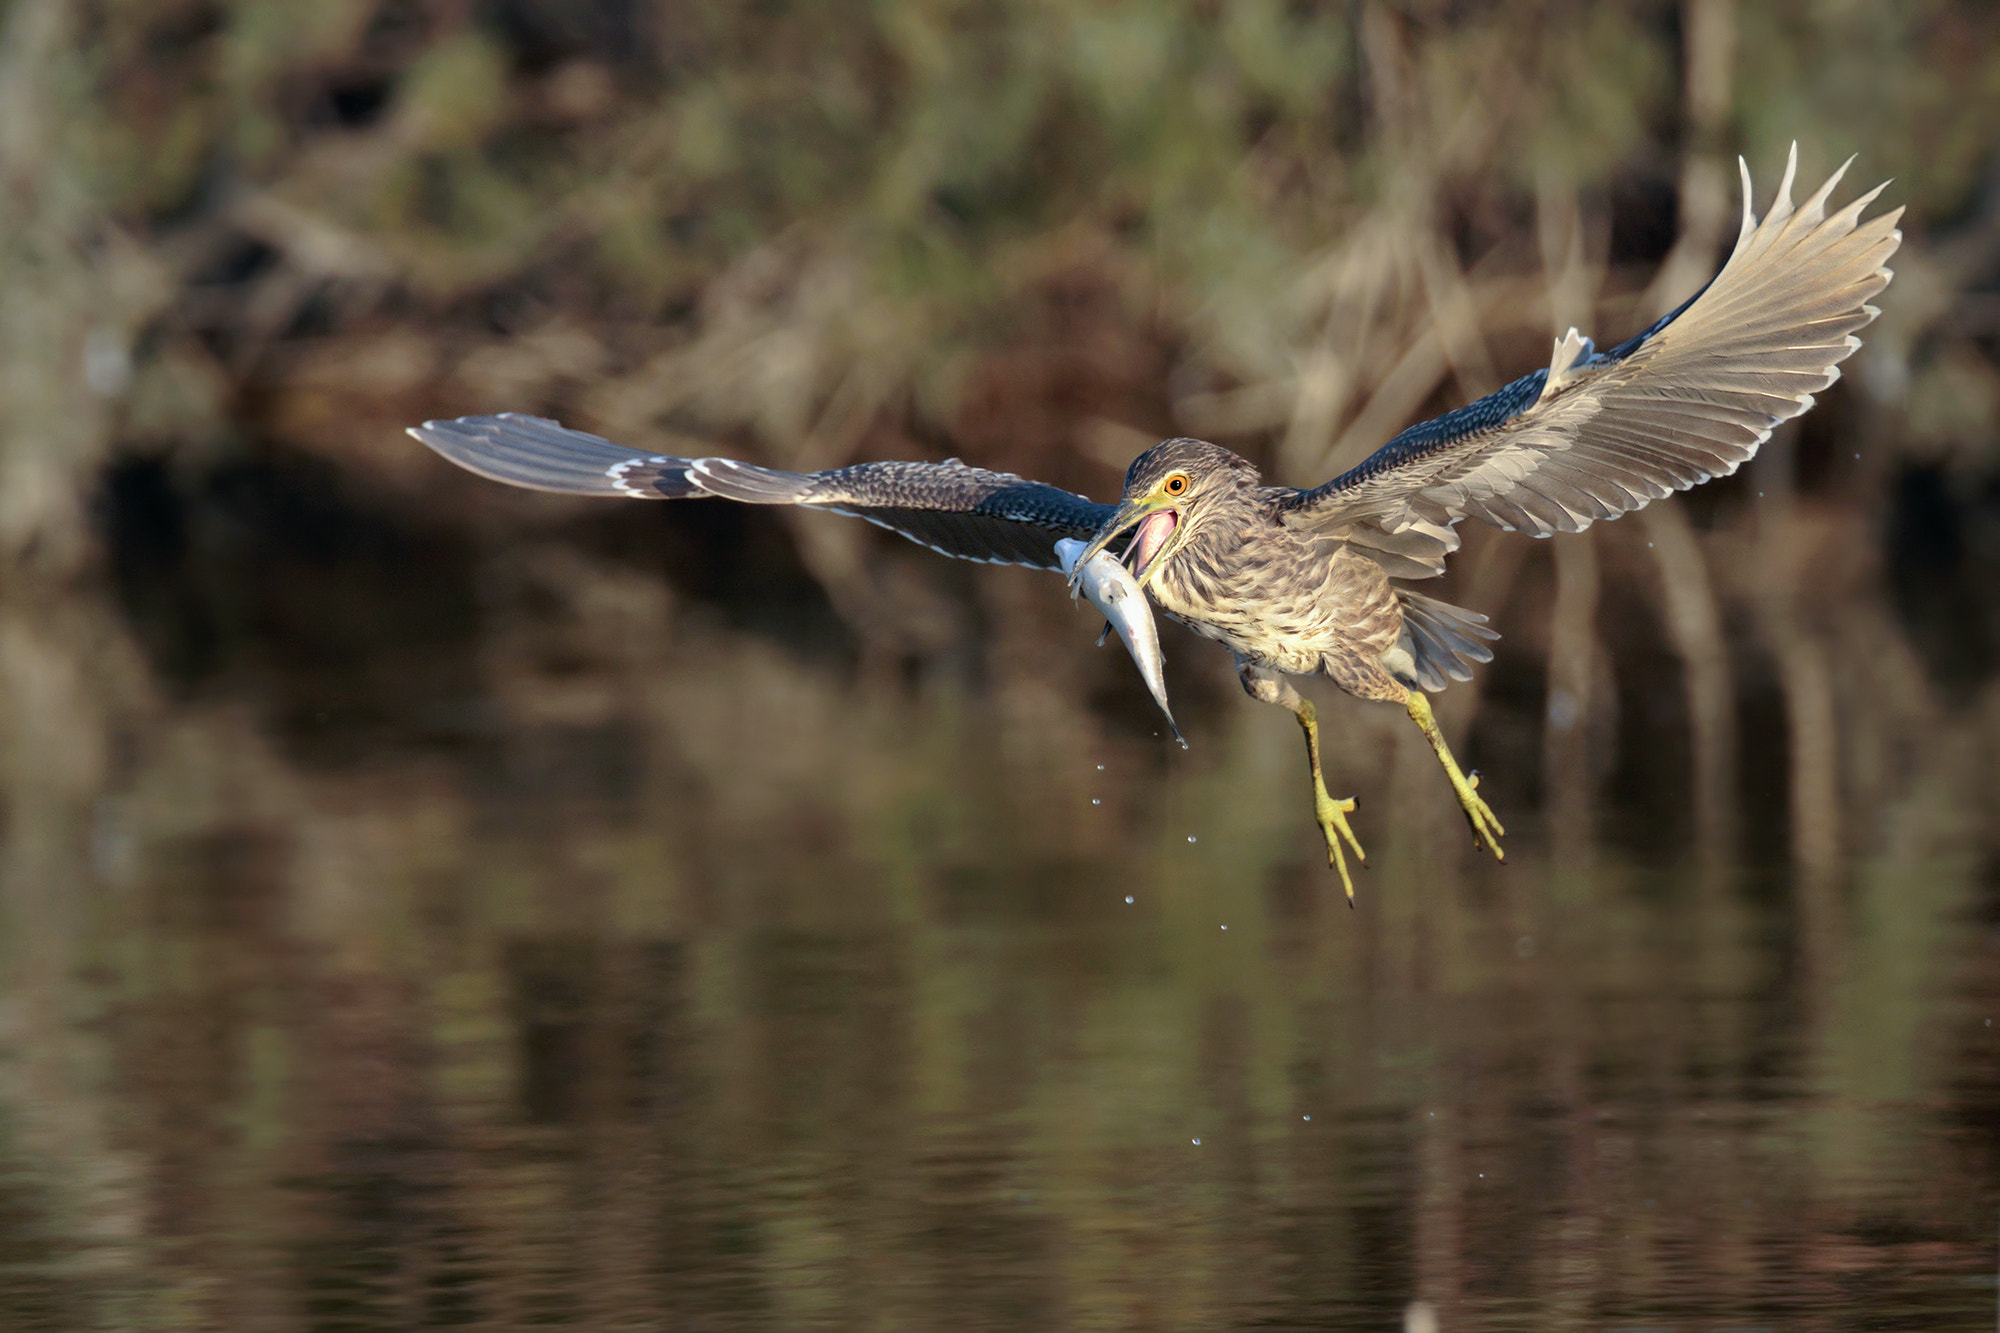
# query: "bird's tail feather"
1443,640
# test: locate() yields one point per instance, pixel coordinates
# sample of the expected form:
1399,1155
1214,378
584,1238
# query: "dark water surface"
627,969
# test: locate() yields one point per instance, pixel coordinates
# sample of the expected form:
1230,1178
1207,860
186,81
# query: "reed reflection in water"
628,969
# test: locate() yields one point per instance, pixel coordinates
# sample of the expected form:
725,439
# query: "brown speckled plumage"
1288,598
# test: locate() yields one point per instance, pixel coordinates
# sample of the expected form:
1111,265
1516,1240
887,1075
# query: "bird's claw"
1333,826
1486,827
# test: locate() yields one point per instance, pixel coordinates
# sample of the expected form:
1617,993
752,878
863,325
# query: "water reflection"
707,990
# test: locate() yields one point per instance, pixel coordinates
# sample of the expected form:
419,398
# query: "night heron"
1299,582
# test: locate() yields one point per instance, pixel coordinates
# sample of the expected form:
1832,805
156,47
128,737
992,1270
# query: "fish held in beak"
1112,589
1153,517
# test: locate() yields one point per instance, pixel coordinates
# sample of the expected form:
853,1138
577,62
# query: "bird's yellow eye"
1176,484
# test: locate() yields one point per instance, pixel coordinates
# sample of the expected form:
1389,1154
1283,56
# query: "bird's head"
1171,490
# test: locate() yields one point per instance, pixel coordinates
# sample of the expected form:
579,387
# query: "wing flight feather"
966,512
1598,434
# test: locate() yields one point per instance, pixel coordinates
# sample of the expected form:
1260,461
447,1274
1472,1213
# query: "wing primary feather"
1598,434
542,455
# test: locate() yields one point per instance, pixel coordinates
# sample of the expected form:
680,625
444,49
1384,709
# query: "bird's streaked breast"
1298,602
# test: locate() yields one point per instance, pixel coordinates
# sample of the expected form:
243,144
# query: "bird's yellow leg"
1485,828
1332,814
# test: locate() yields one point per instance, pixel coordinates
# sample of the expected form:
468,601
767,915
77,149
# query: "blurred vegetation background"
248,245
796,229
289,708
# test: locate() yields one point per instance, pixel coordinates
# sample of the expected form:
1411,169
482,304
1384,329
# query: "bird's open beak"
1155,517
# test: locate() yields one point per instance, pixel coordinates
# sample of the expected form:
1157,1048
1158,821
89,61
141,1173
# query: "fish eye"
1176,484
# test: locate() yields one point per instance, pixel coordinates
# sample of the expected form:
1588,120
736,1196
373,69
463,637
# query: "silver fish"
1112,590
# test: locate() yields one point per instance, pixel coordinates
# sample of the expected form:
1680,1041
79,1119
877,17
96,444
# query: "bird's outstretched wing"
954,509
1598,434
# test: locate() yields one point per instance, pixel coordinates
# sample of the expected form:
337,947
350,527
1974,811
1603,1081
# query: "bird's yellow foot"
1333,825
1486,826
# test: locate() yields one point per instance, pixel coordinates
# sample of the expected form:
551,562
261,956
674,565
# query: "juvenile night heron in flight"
1302,582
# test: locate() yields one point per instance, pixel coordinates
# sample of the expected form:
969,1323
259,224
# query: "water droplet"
1225,928
1197,1143
1308,1117
1100,768
1095,801
1190,837
1128,897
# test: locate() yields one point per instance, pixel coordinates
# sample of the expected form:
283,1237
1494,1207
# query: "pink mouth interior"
1150,536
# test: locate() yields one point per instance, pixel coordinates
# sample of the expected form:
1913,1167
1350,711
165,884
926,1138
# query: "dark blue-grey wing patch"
1440,433
963,511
